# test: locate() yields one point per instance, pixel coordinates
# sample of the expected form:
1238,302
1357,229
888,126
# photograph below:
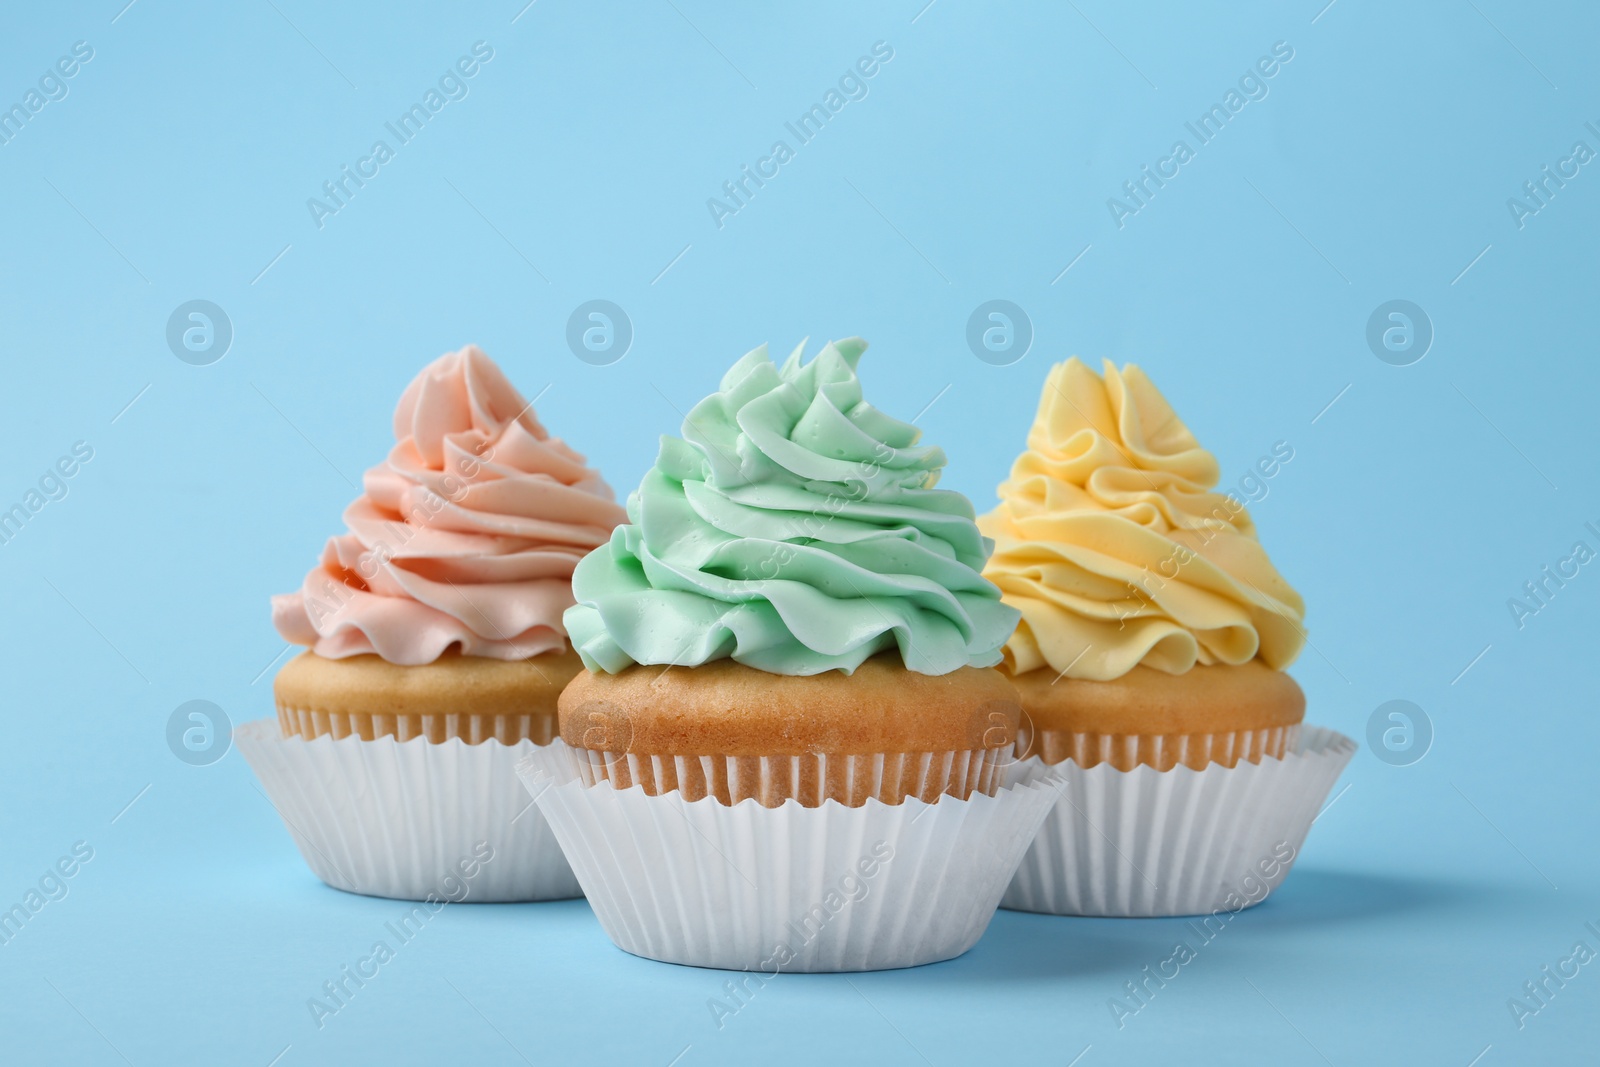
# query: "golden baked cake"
474,698
880,731
1209,714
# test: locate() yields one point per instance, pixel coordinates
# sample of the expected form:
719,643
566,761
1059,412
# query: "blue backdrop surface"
1440,154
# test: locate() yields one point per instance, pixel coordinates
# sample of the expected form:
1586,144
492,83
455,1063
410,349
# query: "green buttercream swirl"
795,529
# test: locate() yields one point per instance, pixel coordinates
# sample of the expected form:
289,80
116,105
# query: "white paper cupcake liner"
392,818
839,888
1178,842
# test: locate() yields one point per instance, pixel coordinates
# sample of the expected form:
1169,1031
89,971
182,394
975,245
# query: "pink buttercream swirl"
466,535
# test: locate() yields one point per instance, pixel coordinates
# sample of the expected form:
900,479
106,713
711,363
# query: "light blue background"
978,167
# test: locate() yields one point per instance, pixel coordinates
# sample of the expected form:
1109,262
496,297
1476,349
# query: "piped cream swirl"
1111,540
465,537
794,528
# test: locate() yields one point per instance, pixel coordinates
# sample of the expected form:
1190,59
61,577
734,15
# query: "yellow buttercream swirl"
1112,542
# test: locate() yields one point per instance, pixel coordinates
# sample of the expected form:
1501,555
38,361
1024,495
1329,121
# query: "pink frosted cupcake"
435,651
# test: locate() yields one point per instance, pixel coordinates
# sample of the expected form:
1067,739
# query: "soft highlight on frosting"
795,529
465,537
1111,541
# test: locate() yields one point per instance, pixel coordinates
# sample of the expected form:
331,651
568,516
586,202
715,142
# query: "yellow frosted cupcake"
1150,656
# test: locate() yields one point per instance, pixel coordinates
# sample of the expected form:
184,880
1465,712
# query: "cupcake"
435,651
1150,662
789,659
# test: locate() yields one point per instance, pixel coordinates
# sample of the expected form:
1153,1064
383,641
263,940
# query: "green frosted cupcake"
788,749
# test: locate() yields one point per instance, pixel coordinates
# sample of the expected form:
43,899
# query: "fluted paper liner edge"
788,888
406,819
1144,842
